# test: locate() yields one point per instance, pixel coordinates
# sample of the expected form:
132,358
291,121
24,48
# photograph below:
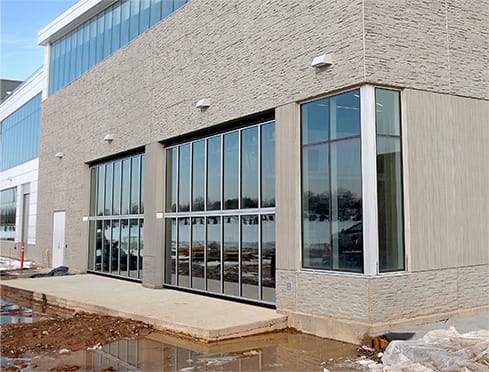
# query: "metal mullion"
259,165
120,249
177,250
216,213
177,193
205,253
190,208
110,217
222,254
222,172
240,238
260,294
205,174
139,243
191,243
239,168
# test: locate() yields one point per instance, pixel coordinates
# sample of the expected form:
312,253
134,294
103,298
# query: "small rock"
45,332
64,351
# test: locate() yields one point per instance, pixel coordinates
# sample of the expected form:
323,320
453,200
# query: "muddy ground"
78,332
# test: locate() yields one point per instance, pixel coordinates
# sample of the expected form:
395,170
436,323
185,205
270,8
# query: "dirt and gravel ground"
80,331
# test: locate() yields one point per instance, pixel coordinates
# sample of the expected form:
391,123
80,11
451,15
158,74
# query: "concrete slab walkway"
204,318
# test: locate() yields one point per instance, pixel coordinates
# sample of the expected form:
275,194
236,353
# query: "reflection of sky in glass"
184,179
268,165
231,170
198,175
249,167
214,173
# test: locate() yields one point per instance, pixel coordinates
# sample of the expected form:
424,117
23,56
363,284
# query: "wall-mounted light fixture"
203,103
322,60
109,138
59,155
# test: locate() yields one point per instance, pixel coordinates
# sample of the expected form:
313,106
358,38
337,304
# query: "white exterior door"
58,238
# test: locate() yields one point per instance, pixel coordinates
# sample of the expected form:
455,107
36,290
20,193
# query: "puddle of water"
282,351
273,352
12,313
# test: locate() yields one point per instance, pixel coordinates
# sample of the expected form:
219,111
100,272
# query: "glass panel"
91,244
116,28
116,253
126,178
86,49
134,25
316,222
133,247
167,8
249,257
92,56
144,16
389,204
179,3
170,251
184,179
183,251
346,205
315,121
387,112
107,32
101,190
155,12
214,173
100,38
100,245
125,14
214,254
79,52
268,165
249,168
141,194
268,257
124,245
198,242
345,114
231,255
231,170
107,231
116,207
93,191
108,189
198,175
171,179
141,249
135,182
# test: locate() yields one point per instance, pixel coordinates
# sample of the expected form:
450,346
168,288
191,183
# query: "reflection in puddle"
11,313
157,352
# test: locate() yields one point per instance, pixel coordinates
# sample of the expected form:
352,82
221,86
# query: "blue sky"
20,21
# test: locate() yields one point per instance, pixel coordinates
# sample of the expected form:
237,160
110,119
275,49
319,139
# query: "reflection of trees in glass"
316,206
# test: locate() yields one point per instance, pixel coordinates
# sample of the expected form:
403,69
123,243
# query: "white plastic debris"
442,350
64,351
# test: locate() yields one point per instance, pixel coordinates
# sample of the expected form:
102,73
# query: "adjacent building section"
20,115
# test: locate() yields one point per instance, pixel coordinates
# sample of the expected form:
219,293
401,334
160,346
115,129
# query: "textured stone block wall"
434,45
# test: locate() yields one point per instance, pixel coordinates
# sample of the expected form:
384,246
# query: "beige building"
326,158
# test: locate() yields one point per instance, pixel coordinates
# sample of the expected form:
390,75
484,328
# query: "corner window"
352,182
389,180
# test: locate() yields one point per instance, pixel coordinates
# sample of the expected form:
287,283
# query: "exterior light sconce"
109,138
59,155
203,104
322,61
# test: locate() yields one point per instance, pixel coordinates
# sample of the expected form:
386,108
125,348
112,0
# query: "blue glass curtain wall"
102,35
20,135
